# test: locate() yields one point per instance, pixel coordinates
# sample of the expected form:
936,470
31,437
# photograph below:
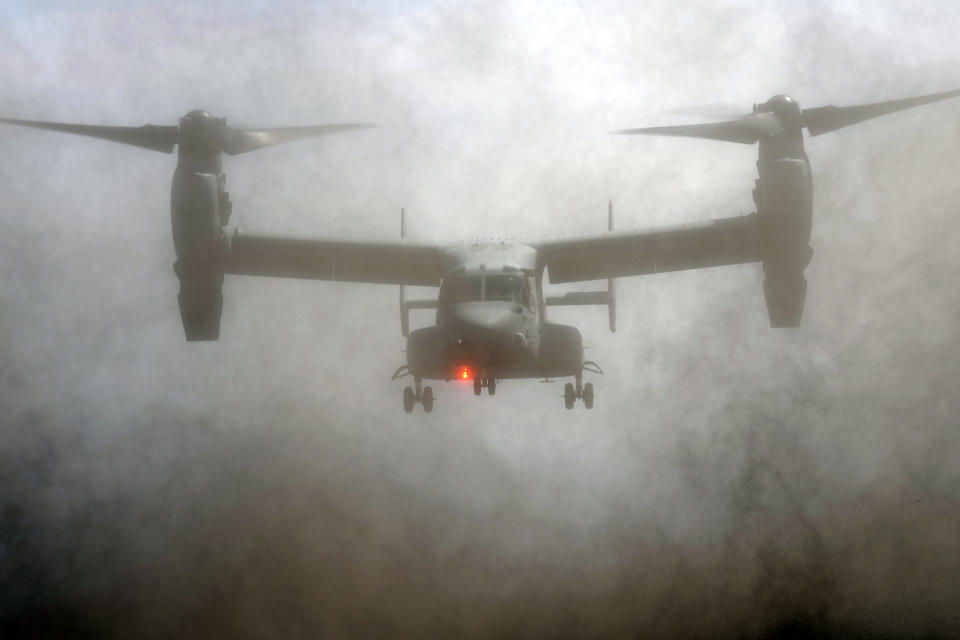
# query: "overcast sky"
731,479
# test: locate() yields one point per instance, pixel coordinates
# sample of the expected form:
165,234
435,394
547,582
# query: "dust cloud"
732,481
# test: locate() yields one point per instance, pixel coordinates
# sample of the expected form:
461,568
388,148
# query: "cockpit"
476,288
455,289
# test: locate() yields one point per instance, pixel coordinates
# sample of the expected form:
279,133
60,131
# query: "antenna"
404,313
611,283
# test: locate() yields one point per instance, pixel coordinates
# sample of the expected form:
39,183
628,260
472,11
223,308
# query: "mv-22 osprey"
491,322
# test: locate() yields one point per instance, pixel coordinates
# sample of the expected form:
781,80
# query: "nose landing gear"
479,383
418,394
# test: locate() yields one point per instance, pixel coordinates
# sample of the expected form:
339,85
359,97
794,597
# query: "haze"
732,480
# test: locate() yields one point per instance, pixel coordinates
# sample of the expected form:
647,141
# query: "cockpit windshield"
503,288
461,289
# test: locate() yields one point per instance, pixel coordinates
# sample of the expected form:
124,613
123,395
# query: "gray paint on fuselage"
495,338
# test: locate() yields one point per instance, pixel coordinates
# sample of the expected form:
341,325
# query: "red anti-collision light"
464,373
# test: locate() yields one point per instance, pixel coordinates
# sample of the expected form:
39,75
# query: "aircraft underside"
560,355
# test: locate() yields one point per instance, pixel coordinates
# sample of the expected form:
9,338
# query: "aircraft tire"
491,386
427,399
409,399
477,388
588,395
569,395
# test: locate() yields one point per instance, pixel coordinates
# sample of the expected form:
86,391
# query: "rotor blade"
157,138
745,130
713,111
242,140
830,118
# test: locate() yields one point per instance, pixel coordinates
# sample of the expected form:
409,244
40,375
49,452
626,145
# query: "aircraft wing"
336,260
617,254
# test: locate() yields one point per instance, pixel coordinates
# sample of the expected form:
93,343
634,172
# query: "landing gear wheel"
492,386
409,399
477,388
427,399
569,395
588,395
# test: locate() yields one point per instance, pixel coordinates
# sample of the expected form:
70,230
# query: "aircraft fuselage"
490,321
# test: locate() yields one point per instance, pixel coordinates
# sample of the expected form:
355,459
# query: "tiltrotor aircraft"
491,321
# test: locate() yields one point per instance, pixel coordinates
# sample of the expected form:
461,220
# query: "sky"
732,480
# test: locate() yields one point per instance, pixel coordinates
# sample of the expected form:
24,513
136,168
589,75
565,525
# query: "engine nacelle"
198,209
785,212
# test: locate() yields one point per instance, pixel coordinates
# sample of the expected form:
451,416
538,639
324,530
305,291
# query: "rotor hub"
201,132
198,117
781,105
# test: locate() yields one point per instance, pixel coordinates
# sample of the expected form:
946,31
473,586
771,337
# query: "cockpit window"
503,288
461,289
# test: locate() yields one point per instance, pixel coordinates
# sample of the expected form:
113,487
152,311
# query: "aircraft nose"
482,321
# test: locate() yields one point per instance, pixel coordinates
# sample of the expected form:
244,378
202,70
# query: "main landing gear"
480,383
418,393
581,391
